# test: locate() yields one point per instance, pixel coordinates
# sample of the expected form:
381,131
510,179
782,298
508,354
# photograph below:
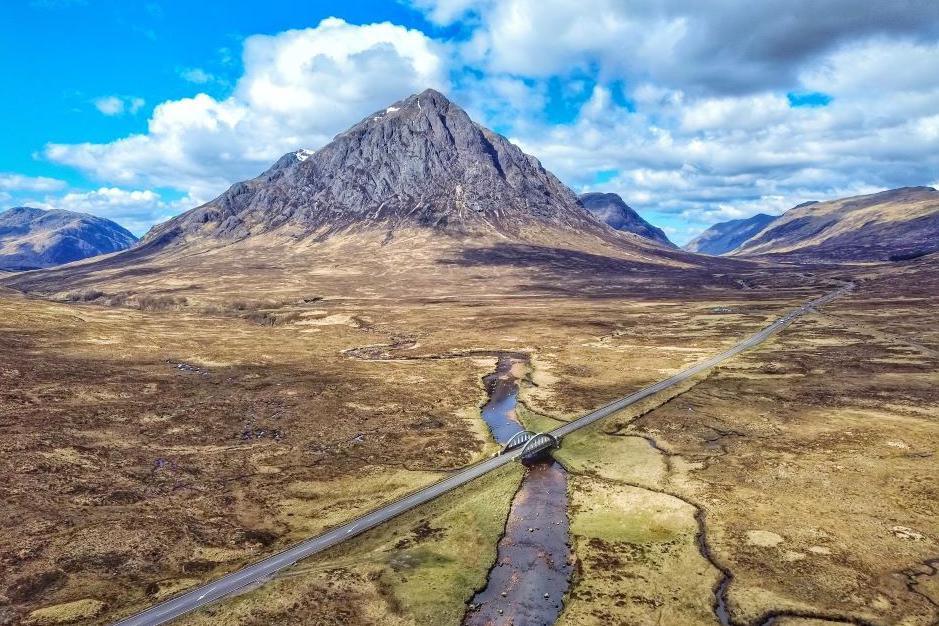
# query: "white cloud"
107,201
741,113
299,88
118,105
884,66
726,47
682,105
18,182
135,210
110,105
196,75
701,159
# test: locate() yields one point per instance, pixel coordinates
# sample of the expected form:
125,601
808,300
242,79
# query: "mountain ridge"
724,237
32,238
885,226
610,209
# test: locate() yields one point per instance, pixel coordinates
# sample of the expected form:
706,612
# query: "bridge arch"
539,442
520,438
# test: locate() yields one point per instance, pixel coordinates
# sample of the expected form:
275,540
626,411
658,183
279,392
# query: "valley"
365,324
248,437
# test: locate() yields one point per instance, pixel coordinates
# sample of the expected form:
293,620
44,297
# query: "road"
258,572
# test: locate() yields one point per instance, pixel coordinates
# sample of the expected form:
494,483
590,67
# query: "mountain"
891,225
420,162
415,198
610,209
723,237
35,238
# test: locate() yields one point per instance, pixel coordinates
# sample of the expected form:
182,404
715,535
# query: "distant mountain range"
615,213
420,189
726,236
891,225
414,189
35,238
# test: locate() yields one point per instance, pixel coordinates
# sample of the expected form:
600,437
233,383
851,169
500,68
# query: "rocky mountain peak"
420,162
615,213
430,104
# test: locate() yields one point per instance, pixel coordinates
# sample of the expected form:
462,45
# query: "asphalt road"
258,572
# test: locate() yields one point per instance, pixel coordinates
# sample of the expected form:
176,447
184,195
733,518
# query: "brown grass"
144,450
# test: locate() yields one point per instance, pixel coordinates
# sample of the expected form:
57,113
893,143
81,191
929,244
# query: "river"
526,585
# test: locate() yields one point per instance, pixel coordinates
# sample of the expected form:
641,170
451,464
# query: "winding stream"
533,567
532,571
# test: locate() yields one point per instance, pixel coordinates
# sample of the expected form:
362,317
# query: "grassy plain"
420,569
796,483
155,439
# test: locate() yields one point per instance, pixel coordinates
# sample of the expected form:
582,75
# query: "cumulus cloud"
702,159
135,210
118,105
299,88
108,201
18,182
694,111
726,47
690,110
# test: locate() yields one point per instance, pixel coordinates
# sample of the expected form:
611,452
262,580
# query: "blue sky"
694,112
62,55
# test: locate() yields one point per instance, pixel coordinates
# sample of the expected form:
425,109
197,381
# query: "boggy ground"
420,569
143,451
794,485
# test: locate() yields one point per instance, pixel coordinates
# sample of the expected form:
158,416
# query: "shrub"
85,295
267,318
160,303
260,317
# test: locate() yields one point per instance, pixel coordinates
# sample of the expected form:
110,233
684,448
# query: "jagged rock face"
34,238
610,209
420,162
724,237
